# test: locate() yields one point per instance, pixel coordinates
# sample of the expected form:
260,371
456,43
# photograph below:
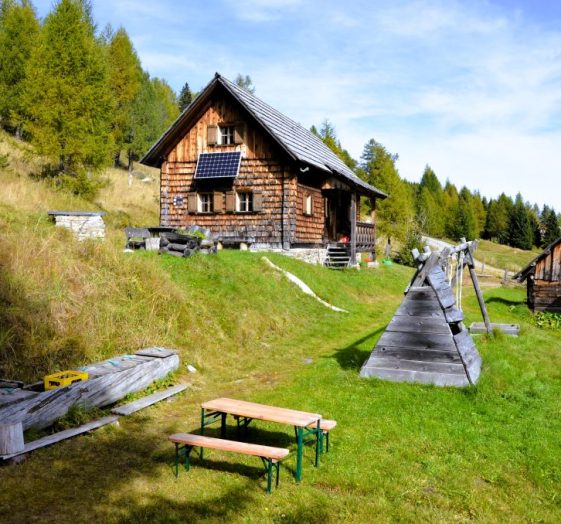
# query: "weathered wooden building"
543,279
250,174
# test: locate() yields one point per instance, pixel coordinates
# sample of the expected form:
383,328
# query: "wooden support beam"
478,293
353,229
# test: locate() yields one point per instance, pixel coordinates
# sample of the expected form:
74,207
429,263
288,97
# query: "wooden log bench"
270,456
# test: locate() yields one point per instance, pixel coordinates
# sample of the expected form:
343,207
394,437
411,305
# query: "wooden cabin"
235,165
543,279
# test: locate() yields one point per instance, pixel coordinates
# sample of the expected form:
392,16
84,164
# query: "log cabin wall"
262,172
544,290
310,215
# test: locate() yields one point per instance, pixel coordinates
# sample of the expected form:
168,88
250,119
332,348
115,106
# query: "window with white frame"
204,202
227,135
244,202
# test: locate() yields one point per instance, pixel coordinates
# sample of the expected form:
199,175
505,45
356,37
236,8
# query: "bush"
547,320
4,162
413,240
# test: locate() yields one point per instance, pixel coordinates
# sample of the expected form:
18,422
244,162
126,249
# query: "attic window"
226,135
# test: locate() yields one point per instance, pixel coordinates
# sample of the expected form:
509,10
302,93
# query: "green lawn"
400,452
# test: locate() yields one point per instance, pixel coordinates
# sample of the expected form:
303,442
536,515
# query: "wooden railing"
365,237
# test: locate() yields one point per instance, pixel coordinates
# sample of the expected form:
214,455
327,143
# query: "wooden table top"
256,411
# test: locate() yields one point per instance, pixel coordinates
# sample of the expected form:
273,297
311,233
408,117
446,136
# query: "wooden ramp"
426,340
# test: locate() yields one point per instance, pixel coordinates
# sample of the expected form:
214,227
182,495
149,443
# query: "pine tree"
19,32
67,97
498,219
549,226
519,225
395,212
125,77
185,97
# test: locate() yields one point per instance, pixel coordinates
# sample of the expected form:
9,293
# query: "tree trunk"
131,162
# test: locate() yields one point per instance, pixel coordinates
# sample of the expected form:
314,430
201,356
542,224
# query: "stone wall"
84,225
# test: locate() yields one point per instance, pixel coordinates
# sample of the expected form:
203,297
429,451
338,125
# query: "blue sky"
472,88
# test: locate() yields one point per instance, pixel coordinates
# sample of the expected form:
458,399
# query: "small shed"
543,279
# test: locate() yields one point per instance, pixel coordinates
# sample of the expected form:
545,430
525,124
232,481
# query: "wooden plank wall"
544,296
222,109
258,175
549,268
309,229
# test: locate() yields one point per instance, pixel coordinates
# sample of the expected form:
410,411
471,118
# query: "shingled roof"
299,143
530,269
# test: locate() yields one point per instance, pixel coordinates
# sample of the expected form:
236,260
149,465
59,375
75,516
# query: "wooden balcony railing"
365,237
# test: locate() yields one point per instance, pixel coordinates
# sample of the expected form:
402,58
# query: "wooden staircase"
338,256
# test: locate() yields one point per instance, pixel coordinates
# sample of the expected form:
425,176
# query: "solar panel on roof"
218,165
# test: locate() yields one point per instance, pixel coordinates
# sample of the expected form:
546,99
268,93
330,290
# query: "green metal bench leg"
176,460
223,425
300,452
319,438
202,430
327,442
186,453
269,475
278,473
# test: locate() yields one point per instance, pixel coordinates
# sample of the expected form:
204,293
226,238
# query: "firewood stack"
185,244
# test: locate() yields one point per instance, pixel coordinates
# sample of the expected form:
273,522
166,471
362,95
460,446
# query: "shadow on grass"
352,356
505,301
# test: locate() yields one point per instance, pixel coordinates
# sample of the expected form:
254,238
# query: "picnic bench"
325,427
305,424
270,456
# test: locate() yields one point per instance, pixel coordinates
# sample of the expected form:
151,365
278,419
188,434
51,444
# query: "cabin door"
337,206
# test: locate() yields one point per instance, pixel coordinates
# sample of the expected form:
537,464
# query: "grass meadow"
400,452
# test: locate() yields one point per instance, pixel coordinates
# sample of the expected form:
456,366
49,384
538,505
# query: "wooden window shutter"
217,202
311,204
304,199
238,133
230,201
257,201
192,202
212,135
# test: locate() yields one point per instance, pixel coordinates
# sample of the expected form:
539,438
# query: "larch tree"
125,78
395,213
67,97
245,82
19,32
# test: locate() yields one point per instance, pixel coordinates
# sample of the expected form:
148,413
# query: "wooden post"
373,220
353,229
11,438
478,293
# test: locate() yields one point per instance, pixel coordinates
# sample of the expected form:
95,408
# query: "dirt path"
480,267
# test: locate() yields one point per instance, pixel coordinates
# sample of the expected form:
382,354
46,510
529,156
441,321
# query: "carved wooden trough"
109,381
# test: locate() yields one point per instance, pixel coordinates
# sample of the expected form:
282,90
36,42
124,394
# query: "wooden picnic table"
244,412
